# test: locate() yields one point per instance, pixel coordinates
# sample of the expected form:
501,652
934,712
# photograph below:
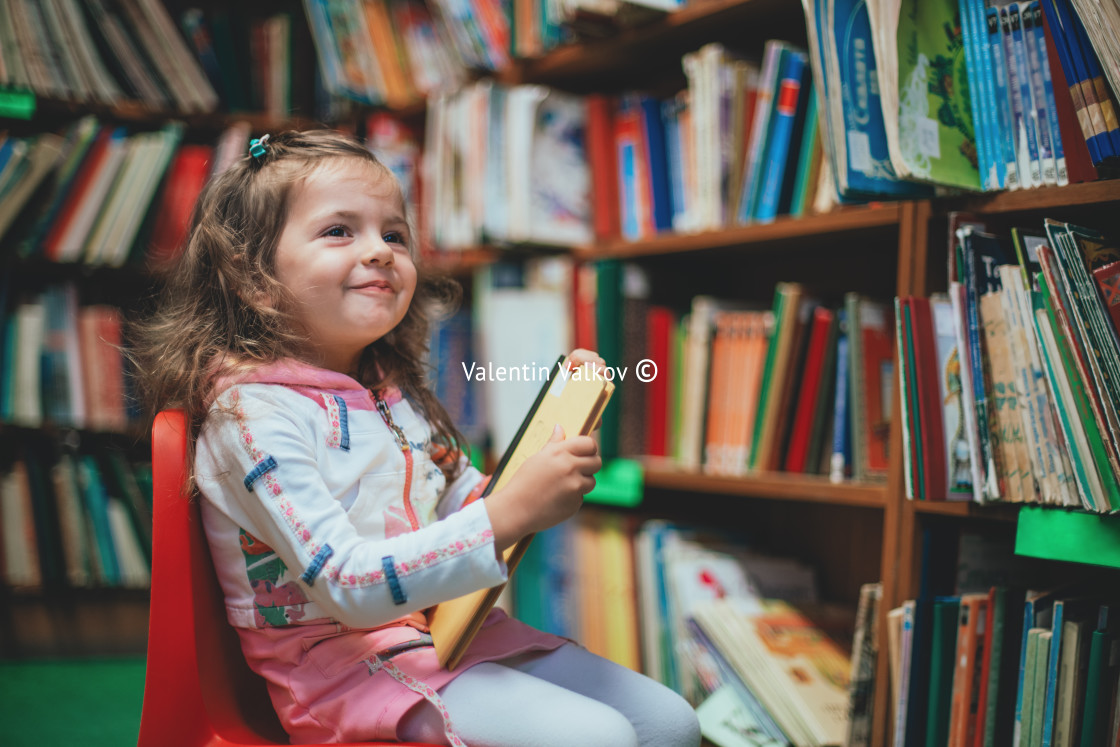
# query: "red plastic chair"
198,689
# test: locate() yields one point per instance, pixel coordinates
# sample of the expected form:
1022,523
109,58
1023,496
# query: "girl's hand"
580,357
547,489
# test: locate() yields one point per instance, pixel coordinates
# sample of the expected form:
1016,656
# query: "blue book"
674,153
1065,59
1003,99
1028,146
841,442
985,161
628,156
790,81
654,137
96,501
1062,25
998,177
1037,609
803,172
1038,98
1064,609
1035,10
768,84
1096,75
863,169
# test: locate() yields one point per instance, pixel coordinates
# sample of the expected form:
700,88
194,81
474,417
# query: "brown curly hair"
211,318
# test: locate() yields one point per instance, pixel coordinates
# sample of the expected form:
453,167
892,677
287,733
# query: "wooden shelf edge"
595,55
967,509
774,485
1043,198
785,228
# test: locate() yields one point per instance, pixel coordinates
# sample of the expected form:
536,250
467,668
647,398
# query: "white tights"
560,698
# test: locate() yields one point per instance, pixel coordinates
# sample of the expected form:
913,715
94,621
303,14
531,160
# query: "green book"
776,368
942,661
918,474
1099,465
936,137
1026,721
995,664
608,275
1094,722
805,174
1038,701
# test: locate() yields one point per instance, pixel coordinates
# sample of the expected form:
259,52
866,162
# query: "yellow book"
573,399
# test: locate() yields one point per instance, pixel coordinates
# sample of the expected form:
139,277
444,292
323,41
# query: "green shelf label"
618,483
1075,536
16,104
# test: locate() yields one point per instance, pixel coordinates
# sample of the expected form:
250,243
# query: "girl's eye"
336,232
394,237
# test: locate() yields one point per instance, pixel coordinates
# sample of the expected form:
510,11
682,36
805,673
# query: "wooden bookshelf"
1029,200
49,111
772,485
968,509
617,59
864,218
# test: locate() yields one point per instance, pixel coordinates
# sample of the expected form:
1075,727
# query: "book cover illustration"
863,163
935,128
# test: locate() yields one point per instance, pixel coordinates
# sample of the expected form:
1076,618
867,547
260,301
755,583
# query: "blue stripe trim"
343,422
394,582
266,465
317,564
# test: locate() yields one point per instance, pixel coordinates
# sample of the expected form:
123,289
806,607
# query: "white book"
135,573
120,241
108,214
27,391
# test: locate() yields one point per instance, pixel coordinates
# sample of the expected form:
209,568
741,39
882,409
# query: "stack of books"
1009,379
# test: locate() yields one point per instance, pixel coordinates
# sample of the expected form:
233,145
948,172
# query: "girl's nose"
377,251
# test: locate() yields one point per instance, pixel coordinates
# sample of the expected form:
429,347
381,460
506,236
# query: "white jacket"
305,508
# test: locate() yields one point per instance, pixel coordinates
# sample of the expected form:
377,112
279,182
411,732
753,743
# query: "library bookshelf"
860,531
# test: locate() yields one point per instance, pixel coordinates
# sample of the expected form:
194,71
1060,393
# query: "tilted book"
573,399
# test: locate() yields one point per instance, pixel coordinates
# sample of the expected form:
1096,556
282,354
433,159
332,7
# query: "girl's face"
344,256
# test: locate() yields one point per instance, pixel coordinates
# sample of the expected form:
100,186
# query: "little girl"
335,498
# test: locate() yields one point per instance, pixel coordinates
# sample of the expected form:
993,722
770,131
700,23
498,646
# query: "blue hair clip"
257,147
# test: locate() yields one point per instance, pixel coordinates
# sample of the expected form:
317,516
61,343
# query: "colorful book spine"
1028,145
841,442
1056,144
781,126
1039,115
1004,115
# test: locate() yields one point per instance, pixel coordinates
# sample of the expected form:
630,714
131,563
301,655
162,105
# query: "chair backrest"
198,689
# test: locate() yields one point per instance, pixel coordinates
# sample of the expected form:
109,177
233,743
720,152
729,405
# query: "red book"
585,302
965,695
82,179
1079,164
820,337
985,670
660,325
185,179
604,169
1107,278
930,413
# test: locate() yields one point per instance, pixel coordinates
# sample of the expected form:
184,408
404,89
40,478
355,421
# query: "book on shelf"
789,661
576,403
